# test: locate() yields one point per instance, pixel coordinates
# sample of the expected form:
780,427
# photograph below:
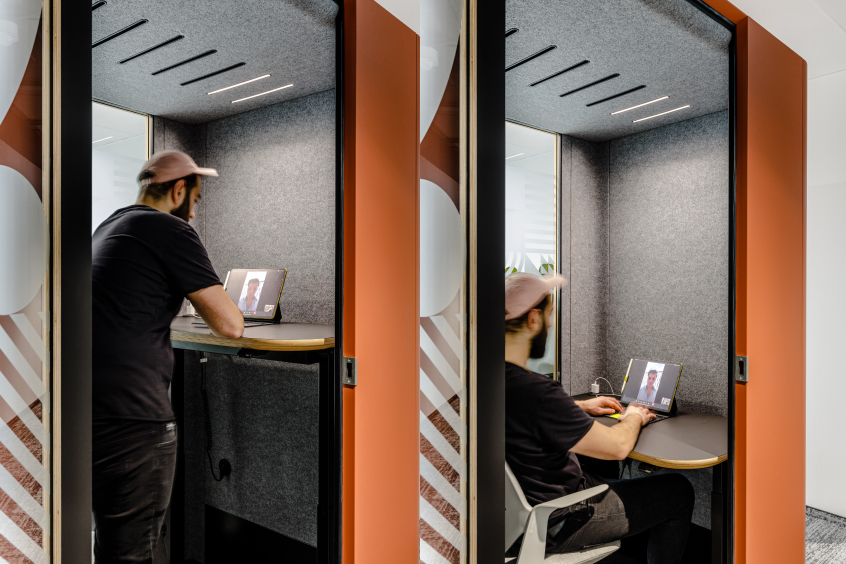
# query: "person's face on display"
184,200
538,349
251,289
650,379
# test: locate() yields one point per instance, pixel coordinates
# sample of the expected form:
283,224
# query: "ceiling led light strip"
512,156
625,93
103,139
185,62
594,83
661,114
239,84
118,33
153,48
559,73
263,93
211,74
640,105
525,60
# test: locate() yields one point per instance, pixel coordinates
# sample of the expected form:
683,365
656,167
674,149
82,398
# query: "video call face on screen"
651,384
256,291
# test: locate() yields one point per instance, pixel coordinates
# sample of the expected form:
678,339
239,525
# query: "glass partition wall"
25,405
531,218
119,146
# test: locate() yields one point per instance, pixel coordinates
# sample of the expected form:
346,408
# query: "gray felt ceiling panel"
294,40
588,263
667,45
669,255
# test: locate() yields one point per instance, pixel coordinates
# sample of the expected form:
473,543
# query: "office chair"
531,522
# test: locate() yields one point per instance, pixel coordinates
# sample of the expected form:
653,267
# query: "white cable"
609,383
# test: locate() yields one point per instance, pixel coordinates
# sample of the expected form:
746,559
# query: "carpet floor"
825,537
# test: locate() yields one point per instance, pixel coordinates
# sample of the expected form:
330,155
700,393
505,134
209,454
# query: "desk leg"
177,498
329,488
719,496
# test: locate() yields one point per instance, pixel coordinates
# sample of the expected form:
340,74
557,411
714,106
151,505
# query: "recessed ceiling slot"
508,32
186,61
594,83
99,4
559,73
118,33
635,89
211,74
543,51
153,48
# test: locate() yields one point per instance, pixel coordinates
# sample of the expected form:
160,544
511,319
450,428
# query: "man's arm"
218,311
614,443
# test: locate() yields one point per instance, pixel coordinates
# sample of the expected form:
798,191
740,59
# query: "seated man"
545,429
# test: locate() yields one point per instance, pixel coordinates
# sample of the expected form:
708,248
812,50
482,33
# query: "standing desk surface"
688,440
271,337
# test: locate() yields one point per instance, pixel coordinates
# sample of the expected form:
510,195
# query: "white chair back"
517,509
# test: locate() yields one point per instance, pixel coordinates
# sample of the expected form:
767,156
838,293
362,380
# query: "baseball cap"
523,291
170,165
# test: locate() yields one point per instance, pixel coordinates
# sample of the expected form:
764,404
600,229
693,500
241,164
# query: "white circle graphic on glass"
23,242
441,249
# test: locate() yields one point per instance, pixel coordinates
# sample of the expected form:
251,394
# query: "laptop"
651,384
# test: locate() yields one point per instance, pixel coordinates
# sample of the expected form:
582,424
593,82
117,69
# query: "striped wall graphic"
24,439
443,421
24,323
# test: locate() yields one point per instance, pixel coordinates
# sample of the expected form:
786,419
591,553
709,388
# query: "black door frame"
489,402
71,96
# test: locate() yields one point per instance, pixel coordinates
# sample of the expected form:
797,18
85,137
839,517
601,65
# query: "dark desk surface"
275,337
689,440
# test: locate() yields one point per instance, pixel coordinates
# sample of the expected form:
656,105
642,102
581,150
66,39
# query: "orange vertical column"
770,447
381,286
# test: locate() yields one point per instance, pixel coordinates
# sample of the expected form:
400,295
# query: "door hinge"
741,368
350,371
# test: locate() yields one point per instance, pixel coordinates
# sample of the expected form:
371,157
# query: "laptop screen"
651,383
256,290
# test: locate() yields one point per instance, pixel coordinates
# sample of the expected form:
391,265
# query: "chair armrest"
534,535
573,498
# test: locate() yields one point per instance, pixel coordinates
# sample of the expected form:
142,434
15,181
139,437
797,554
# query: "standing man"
545,430
249,303
146,258
647,391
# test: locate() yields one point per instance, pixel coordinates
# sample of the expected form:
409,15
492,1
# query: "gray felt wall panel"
274,202
273,205
588,263
264,421
669,255
648,246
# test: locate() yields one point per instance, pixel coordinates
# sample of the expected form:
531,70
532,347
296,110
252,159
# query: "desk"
298,343
689,440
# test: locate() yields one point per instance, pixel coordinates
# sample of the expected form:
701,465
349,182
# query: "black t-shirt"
144,263
542,424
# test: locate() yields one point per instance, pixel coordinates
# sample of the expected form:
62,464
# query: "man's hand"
218,311
600,406
641,413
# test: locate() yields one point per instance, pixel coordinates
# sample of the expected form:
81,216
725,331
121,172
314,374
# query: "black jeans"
134,463
662,503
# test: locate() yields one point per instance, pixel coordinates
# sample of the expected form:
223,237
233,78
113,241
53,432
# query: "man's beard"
538,349
184,209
